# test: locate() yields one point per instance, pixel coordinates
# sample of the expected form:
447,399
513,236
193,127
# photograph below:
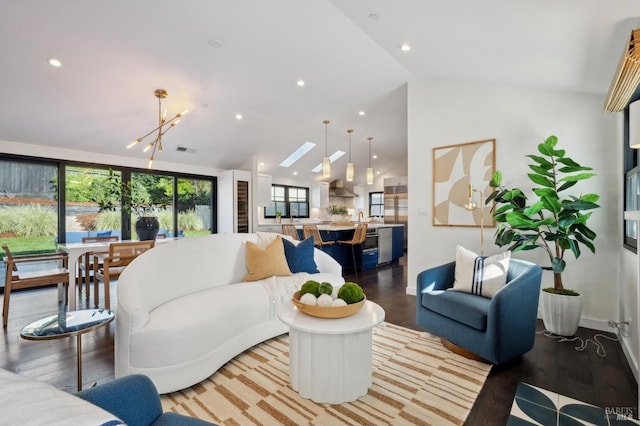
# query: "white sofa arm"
132,301
326,263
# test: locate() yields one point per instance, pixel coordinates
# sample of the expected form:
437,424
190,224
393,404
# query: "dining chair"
18,279
358,238
113,263
311,230
85,262
290,230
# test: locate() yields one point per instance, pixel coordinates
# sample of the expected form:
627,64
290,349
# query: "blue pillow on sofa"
300,257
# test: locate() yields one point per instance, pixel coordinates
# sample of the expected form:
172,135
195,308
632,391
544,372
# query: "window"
85,191
376,204
194,206
80,189
290,201
631,187
29,218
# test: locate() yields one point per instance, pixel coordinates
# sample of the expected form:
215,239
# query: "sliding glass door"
194,207
28,206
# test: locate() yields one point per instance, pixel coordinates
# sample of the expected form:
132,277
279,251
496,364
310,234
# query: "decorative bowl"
327,311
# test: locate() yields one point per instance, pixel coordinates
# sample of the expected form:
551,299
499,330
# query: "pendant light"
370,169
164,126
326,162
350,171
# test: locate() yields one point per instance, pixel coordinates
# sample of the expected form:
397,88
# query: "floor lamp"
472,205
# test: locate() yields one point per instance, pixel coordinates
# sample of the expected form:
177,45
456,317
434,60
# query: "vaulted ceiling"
222,58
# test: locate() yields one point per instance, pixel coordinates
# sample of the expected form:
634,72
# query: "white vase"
561,314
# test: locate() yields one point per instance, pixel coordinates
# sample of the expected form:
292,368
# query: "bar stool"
291,231
310,230
358,238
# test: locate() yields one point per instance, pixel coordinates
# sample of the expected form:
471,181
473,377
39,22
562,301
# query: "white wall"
444,112
42,151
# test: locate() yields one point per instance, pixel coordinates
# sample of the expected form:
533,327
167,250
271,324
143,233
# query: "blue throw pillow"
300,257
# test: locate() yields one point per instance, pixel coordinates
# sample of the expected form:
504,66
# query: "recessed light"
405,48
238,116
54,62
375,156
261,164
361,113
374,16
300,83
295,173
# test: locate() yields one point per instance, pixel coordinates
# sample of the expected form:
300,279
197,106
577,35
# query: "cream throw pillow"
267,262
266,238
483,276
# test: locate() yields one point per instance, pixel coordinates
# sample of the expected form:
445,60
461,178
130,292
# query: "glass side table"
67,324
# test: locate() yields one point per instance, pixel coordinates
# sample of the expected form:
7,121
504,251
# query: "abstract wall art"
461,172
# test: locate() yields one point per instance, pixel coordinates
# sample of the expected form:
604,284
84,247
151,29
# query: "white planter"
561,314
337,218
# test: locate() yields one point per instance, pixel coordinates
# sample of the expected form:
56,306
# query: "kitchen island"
384,243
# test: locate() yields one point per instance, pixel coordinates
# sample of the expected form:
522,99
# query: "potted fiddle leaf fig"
552,220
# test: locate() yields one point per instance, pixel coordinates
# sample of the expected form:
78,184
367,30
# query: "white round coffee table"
330,359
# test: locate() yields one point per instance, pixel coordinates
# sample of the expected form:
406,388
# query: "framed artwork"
461,176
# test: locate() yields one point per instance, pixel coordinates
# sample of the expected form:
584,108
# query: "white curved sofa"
184,310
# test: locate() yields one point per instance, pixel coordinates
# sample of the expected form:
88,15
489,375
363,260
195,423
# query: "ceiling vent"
627,77
185,149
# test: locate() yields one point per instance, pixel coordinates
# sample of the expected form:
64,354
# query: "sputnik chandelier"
164,126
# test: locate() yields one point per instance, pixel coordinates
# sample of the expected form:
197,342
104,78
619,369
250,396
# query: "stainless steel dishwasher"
384,244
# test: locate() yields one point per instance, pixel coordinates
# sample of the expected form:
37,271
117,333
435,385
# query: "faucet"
360,216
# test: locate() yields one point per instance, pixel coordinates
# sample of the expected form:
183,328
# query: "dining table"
77,250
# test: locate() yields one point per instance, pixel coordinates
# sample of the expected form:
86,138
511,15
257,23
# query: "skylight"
333,157
297,154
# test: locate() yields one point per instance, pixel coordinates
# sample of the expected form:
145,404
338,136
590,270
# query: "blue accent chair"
134,399
498,329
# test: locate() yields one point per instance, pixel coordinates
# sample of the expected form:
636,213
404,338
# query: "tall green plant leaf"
572,178
542,162
541,180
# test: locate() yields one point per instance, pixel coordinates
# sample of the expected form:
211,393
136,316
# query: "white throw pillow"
480,275
266,238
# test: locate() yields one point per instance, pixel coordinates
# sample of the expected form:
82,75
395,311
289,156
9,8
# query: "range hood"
337,189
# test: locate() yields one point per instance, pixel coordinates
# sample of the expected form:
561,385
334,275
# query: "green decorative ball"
310,287
325,288
351,293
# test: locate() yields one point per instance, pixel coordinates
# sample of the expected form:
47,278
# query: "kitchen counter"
367,255
328,227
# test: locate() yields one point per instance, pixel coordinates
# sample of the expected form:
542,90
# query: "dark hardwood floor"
605,382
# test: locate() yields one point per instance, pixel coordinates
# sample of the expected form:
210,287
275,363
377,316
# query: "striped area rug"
416,381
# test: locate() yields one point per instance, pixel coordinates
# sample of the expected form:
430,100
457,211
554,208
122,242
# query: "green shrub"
165,218
107,220
6,220
35,221
190,220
